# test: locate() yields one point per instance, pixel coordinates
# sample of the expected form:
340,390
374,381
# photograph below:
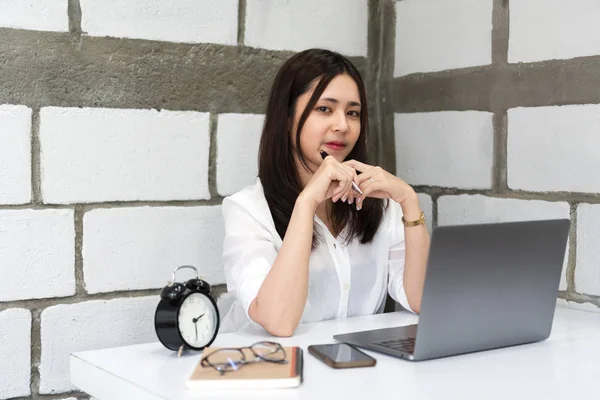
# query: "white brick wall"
436,35
96,155
191,21
554,148
587,271
91,325
448,148
138,248
477,209
238,137
15,352
15,153
553,29
37,250
299,25
40,15
427,206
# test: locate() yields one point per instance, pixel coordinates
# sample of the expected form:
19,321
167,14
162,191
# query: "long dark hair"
277,169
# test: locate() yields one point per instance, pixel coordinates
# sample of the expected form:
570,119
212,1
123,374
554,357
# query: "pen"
354,185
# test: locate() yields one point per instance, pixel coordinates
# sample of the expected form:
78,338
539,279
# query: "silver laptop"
487,286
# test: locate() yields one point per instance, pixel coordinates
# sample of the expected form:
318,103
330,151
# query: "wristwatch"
420,221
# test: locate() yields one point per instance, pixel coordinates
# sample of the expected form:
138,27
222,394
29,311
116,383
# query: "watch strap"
420,221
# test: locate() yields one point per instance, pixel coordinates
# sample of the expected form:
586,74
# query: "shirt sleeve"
396,257
248,253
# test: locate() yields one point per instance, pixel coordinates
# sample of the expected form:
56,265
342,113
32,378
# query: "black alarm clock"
187,317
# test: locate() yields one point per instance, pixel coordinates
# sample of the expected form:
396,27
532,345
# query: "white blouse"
345,280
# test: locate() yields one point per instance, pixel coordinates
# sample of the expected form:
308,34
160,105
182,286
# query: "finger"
345,177
354,193
348,189
359,166
351,173
367,191
335,177
365,184
351,197
339,190
371,174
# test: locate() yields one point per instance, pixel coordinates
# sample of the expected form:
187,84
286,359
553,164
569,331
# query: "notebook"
261,375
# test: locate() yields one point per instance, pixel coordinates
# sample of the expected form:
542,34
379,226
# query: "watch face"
197,320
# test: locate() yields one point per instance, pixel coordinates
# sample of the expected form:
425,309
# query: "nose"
341,123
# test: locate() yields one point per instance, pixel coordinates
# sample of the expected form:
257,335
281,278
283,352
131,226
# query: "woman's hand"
332,180
376,182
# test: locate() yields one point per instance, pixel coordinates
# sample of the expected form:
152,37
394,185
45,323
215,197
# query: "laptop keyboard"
405,345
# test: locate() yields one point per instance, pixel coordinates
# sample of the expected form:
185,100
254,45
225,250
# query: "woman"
302,244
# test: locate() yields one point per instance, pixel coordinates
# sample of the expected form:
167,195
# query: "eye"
323,109
354,113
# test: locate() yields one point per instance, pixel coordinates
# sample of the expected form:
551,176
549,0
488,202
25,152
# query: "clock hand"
196,325
194,320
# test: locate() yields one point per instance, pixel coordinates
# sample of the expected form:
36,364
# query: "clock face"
197,320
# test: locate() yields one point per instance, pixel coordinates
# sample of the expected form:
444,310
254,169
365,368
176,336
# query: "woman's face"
333,124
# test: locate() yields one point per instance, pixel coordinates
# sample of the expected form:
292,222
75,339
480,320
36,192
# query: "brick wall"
122,127
496,118
124,124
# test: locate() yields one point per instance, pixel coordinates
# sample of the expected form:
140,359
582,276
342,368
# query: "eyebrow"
335,101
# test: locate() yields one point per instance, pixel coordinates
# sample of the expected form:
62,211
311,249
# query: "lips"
335,145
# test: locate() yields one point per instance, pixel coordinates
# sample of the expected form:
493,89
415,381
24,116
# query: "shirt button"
335,246
346,286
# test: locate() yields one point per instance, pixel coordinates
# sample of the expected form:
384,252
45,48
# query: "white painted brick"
436,35
553,29
427,206
477,209
90,325
448,148
299,25
238,138
554,148
15,352
577,306
15,153
96,155
39,15
587,267
188,21
37,254
138,248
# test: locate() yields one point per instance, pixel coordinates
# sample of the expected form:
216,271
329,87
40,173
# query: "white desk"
564,366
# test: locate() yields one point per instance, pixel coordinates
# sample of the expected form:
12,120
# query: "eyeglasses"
234,358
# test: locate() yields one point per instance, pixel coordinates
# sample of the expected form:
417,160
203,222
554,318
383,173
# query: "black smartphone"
341,355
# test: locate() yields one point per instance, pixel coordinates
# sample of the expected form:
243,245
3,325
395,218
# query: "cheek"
312,135
355,130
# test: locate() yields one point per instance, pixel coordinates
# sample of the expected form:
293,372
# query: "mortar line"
212,158
36,350
74,15
434,211
500,152
500,32
36,187
241,34
572,256
80,298
79,276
